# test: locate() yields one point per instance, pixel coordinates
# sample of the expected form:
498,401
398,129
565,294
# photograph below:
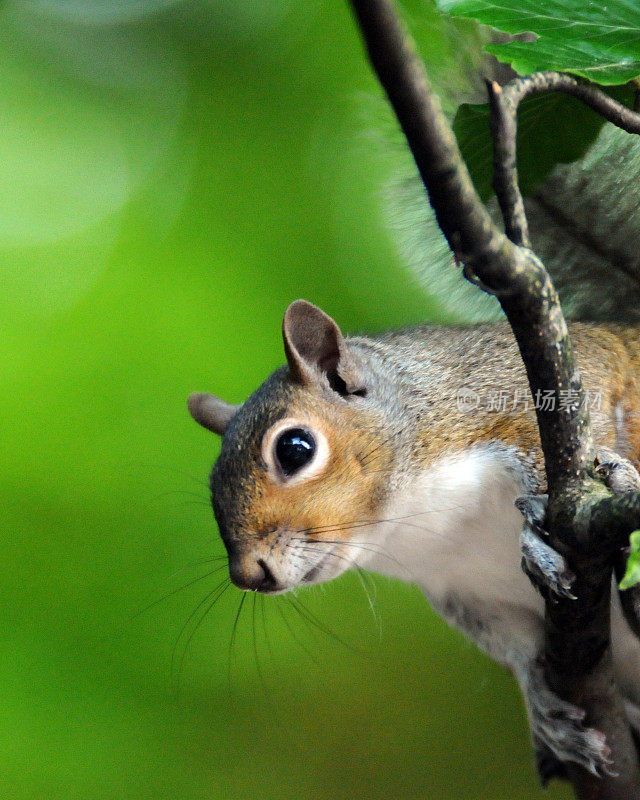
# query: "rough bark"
587,525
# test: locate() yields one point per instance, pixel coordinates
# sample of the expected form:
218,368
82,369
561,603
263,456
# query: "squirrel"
405,453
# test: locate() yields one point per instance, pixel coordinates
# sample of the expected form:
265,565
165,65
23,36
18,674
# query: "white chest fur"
454,531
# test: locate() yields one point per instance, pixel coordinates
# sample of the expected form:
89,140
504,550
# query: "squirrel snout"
252,574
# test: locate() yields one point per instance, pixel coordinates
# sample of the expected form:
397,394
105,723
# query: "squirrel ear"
314,346
211,412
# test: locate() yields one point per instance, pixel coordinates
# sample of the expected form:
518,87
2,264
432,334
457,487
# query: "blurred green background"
172,175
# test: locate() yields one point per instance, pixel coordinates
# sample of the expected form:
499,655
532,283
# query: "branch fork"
587,522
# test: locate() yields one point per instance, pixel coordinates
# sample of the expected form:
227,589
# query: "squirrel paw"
547,569
621,476
559,734
617,472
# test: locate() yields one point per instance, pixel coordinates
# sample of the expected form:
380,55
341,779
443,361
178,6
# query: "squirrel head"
303,464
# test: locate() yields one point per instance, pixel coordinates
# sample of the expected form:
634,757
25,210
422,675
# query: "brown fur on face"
387,407
258,516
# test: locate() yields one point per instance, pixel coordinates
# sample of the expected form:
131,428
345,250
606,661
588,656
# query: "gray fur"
585,220
446,500
584,223
557,726
546,568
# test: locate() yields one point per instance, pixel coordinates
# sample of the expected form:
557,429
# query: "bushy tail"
585,225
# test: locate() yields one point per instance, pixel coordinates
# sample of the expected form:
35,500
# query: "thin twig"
513,273
504,102
504,123
577,631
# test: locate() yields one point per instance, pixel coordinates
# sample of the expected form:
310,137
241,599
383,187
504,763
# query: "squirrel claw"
559,734
546,568
618,472
620,475
533,508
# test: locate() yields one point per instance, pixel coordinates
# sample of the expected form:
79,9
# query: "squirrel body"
404,453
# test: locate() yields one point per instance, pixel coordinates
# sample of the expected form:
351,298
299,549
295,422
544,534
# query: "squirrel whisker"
216,594
172,593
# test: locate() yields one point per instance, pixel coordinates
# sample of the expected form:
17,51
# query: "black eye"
294,448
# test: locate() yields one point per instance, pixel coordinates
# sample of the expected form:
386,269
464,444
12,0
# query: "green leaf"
542,143
600,42
632,574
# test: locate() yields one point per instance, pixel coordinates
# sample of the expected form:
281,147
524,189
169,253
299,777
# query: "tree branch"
513,273
578,662
504,102
463,219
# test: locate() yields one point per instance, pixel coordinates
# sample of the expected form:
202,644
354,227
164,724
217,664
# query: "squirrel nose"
252,575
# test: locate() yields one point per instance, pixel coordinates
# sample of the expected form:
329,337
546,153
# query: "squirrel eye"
295,447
